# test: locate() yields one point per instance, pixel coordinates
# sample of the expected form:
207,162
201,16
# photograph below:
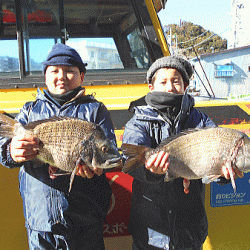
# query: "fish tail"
7,126
136,156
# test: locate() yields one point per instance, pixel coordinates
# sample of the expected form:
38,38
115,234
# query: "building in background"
228,72
98,55
240,32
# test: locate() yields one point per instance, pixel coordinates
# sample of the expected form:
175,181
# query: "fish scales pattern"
203,149
60,139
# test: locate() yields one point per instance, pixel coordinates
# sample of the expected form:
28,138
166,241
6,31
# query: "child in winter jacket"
163,216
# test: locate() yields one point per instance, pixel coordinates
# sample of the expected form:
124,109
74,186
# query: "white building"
98,55
240,32
227,71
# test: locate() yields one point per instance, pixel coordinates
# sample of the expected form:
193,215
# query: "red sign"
39,16
116,223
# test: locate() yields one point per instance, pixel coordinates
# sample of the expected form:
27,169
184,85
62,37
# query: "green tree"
188,35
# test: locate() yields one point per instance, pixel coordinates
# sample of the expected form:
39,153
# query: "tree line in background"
187,35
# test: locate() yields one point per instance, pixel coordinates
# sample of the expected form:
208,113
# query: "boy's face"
61,79
168,80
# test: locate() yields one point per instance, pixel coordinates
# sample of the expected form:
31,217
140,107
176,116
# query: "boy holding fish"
55,218
163,216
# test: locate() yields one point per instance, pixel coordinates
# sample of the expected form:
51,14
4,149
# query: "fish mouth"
114,162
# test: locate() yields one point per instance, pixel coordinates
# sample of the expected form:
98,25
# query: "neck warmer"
63,98
167,104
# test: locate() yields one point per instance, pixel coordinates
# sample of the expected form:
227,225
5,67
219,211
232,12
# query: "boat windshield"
105,33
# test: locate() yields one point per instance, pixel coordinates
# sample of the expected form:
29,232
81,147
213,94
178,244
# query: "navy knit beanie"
62,54
175,62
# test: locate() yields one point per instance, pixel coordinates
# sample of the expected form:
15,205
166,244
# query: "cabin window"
106,34
226,70
138,49
9,48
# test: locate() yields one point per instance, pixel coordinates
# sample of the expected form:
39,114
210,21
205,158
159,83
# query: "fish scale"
197,154
60,139
215,149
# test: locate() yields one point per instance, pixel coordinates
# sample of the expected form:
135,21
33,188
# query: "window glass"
8,57
98,53
105,33
41,29
8,43
38,51
139,50
224,70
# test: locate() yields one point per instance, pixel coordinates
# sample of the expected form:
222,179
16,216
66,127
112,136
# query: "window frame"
224,70
24,79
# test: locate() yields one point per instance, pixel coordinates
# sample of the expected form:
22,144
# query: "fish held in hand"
67,142
197,154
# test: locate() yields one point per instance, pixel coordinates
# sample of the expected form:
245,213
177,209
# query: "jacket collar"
45,96
145,112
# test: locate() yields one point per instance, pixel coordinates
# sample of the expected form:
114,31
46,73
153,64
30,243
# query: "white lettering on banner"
230,198
114,229
112,196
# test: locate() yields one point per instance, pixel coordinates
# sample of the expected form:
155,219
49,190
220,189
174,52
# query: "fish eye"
105,149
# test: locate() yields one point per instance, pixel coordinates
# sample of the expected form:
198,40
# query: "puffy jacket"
46,202
161,209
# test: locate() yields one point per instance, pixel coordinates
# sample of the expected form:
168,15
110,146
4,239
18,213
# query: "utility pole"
176,44
170,39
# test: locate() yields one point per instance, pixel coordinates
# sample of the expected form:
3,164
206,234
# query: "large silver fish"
197,154
66,142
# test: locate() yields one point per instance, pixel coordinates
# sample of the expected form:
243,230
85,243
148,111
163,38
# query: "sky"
213,15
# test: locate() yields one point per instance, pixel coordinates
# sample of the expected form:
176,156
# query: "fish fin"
230,170
7,126
238,172
131,164
135,154
169,176
210,178
36,162
32,125
61,172
73,176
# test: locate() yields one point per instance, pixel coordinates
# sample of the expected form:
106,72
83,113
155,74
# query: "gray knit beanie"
175,62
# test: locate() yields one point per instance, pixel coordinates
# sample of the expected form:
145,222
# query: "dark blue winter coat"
161,211
46,202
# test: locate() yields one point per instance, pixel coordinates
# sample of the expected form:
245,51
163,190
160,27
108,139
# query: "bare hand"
85,171
186,184
24,147
158,163
236,172
52,172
